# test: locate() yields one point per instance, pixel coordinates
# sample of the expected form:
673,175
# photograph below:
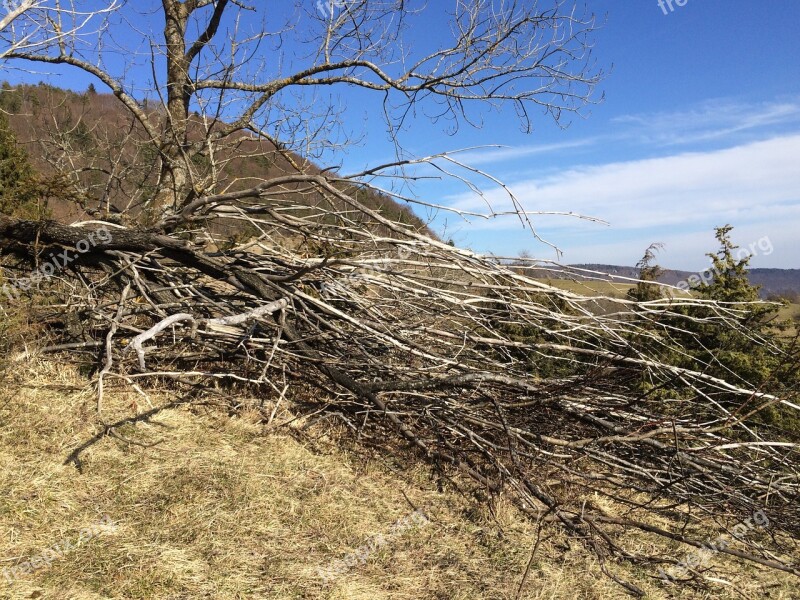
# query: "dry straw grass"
225,507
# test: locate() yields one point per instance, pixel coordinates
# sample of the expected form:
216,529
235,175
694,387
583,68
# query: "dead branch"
476,366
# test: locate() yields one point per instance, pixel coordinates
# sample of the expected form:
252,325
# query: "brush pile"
571,404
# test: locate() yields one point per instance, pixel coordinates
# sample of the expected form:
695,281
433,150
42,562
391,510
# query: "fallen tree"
568,403
522,387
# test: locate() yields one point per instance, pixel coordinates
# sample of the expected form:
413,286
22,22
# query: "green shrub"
20,188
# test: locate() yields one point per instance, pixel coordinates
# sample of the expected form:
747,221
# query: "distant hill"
93,137
773,282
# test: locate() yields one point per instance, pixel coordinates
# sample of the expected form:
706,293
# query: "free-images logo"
327,8
11,5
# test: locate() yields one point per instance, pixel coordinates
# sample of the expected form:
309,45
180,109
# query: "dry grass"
225,507
789,313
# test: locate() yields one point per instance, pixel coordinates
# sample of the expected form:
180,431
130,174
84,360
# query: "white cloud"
712,120
717,120
755,185
494,154
755,180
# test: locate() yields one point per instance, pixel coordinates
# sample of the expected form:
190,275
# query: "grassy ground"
195,503
790,312
591,288
609,289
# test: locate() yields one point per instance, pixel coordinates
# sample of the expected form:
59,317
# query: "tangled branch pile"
550,396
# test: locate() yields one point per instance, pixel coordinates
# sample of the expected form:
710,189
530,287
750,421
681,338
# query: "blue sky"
700,127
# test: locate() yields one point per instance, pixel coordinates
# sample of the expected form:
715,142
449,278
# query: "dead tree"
407,338
237,80
471,365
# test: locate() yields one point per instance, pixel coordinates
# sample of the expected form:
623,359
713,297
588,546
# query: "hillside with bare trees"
209,261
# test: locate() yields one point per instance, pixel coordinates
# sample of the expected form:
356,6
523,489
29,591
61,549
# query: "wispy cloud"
721,161
712,120
494,154
723,121
754,184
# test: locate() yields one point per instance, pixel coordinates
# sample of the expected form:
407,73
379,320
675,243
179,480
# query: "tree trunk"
175,176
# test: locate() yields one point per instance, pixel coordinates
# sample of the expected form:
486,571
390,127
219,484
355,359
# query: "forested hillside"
96,145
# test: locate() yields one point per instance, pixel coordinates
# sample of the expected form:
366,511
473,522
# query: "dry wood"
444,350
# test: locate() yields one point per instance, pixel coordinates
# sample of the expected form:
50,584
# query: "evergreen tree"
757,353
649,272
727,350
730,282
17,178
750,348
10,98
23,192
771,364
